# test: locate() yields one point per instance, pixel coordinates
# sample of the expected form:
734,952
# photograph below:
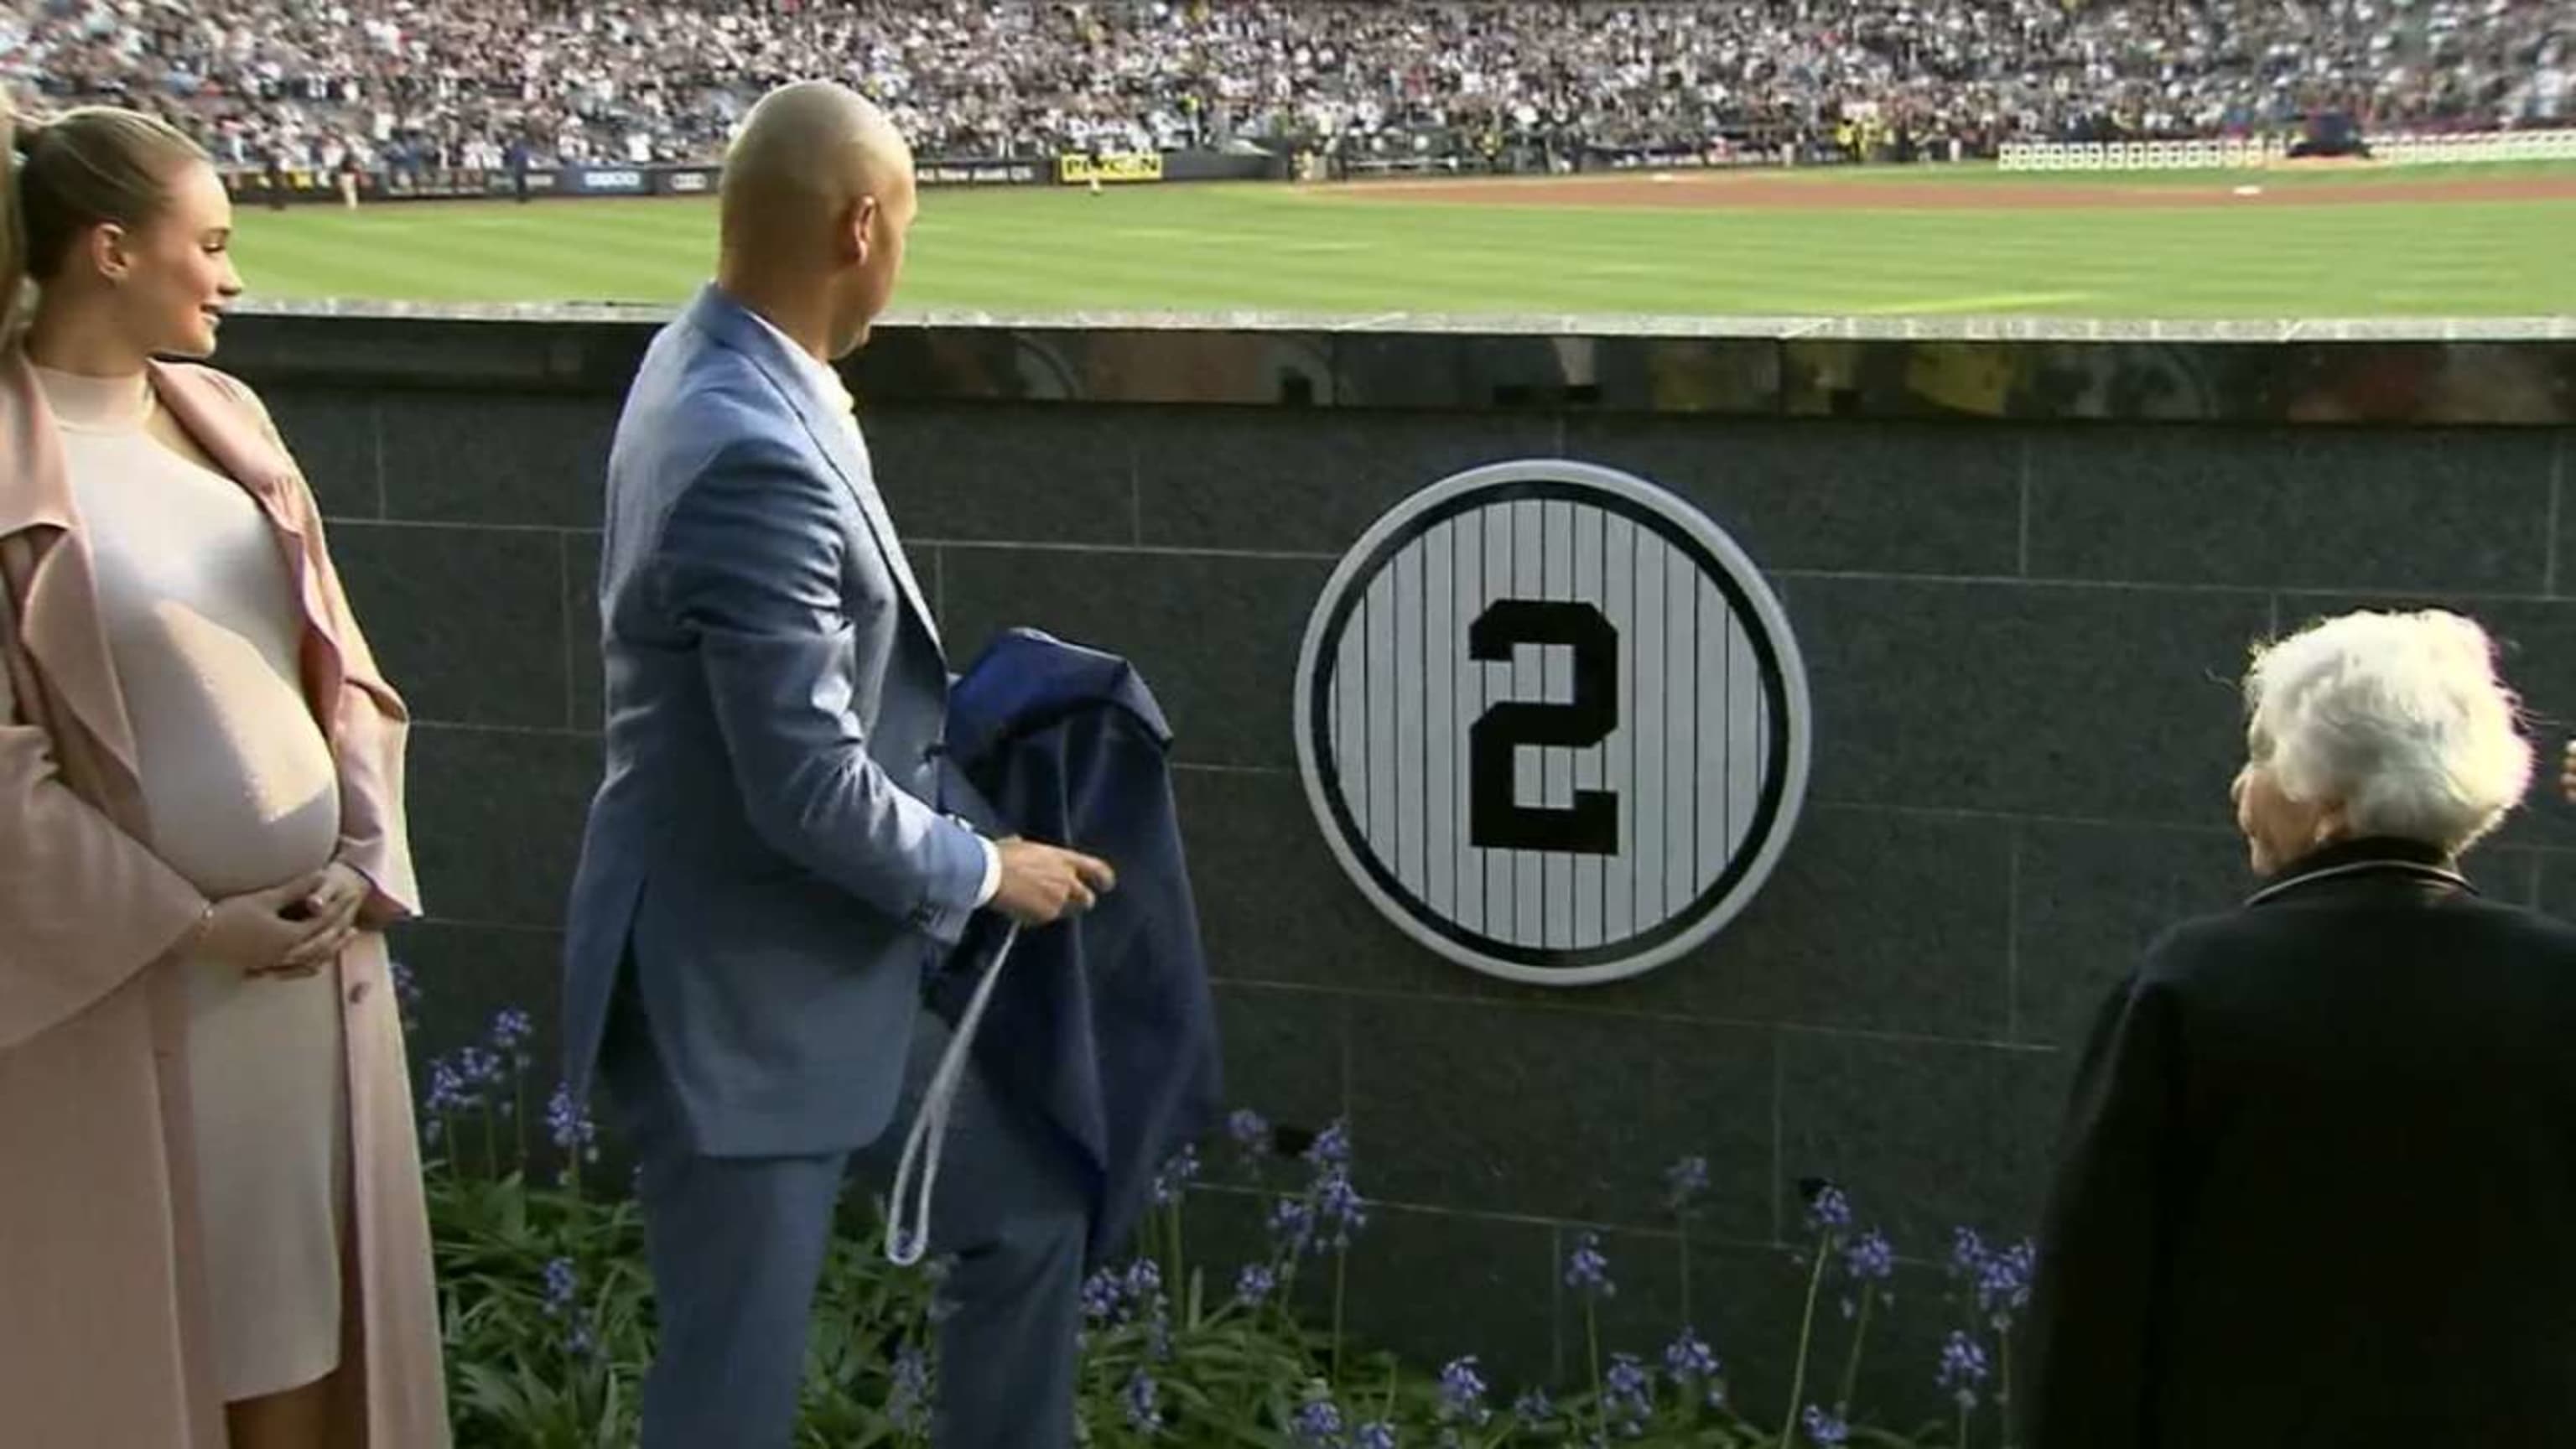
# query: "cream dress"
205,631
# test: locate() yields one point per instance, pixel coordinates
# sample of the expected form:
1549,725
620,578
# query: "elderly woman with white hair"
2318,1186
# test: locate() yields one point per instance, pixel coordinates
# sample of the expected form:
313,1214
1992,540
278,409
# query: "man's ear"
862,239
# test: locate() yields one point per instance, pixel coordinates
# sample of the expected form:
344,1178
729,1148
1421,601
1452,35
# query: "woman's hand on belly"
339,893
270,932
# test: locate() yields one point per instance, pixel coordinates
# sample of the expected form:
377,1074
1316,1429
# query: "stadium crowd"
484,83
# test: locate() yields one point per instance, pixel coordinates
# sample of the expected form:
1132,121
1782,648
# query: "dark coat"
1106,1022
2318,1187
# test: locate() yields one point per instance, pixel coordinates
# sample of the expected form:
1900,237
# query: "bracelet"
197,932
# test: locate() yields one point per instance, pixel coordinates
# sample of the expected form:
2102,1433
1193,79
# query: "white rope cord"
921,1146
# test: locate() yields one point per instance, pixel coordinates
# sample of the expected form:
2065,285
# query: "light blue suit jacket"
763,846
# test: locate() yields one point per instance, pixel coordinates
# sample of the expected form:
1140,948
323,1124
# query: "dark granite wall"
2022,638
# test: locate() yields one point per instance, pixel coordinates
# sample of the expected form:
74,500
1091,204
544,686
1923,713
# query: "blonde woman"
211,1229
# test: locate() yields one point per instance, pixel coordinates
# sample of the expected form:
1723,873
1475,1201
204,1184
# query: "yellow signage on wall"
1076,170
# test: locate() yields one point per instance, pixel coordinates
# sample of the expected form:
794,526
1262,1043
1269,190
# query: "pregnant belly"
240,783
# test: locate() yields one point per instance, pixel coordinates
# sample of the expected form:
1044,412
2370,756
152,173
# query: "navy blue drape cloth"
1104,1022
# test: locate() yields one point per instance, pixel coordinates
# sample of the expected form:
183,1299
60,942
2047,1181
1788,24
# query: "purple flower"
1145,1292
2003,1283
1318,1424
1872,1259
1331,1149
1967,1253
1142,1392
1963,1368
1110,1297
1254,1285
1533,1408
1176,1176
1828,1211
1292,1226
1341,1205
1684,1182
406,990
563,1285
1251,1134
1103,1294
1380,1435
479,1068
909,1404
510,1032
447,1089
1462,1393
563,1294
1627,1392
1689,1358
569,1124
1588,1271
1144,1281
1824,1429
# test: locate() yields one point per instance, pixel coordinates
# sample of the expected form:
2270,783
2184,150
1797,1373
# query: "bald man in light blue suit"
769,874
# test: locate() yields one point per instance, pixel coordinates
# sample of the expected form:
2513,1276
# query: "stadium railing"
2404,149
255,185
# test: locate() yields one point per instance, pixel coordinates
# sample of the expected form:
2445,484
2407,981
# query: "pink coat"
103,1330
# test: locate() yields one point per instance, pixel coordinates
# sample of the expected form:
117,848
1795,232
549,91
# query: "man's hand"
1042,884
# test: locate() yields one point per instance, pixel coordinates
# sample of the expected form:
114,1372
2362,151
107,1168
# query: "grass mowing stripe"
1228,246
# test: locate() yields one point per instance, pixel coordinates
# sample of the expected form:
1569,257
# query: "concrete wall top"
2397,372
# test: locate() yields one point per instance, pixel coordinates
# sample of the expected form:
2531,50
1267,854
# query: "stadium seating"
1388,84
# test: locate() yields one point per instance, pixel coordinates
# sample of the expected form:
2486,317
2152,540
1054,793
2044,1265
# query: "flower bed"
548,1315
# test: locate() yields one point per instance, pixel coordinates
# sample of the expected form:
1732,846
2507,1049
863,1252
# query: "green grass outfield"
1360,250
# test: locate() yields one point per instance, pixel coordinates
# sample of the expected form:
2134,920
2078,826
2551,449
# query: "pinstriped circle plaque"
1552,722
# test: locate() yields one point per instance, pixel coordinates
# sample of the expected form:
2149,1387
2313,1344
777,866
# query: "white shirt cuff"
992,873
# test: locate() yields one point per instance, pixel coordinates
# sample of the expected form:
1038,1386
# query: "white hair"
2400,719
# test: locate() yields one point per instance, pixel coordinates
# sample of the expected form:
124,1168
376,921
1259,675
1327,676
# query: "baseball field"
2482,240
